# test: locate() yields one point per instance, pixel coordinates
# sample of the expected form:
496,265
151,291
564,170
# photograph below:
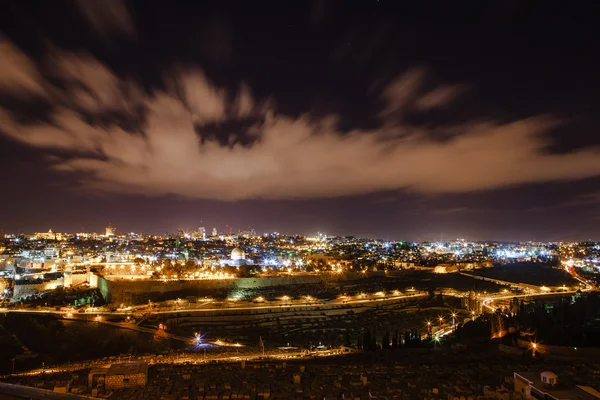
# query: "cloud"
108,18
439,97
204,101
402,91
407,92
18,73
94,88
244,102
293,157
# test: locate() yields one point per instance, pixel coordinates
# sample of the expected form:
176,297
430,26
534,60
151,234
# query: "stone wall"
75,279
124,381
141,291
28,289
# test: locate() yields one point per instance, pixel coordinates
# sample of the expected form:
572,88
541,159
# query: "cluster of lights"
221,343
217,275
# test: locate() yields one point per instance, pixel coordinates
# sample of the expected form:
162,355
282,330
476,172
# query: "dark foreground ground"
393,374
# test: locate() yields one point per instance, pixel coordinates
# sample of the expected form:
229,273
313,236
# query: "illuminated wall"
140,291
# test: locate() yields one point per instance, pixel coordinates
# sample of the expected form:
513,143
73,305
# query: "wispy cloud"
439,97
19,74
293,157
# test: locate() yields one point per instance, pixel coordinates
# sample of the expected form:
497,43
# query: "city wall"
28,289
137,291
75,279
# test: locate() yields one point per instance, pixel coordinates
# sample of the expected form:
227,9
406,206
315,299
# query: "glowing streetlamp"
429,327
534,348
441,320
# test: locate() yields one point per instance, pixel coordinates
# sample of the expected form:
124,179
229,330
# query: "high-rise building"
110,231
215,232
202,233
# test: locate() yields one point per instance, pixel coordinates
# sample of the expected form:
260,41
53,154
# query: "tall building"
202,233
215,232
110,231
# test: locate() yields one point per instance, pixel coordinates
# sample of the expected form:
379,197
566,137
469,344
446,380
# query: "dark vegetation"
35,339
531,273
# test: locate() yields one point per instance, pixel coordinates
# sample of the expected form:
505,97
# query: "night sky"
391,119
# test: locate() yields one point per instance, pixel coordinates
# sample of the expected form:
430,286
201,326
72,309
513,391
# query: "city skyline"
370,119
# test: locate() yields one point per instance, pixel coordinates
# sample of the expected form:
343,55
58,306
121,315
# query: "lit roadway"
308,302
585,286
276,305
196,358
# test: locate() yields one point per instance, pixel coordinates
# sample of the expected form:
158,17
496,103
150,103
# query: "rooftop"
561,391
128,368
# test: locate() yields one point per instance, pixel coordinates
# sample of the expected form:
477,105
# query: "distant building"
200,233
110,231
237,258
50,252
45,235
215,232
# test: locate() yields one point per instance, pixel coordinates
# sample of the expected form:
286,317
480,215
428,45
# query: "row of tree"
368,340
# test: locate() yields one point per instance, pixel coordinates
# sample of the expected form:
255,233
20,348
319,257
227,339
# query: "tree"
347,342
385,340
431,292
395,340
367,340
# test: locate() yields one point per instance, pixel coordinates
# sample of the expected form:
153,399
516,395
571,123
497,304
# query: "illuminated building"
237,258
200,233
110,231
45,235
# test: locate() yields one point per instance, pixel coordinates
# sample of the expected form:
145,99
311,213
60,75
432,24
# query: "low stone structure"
119,376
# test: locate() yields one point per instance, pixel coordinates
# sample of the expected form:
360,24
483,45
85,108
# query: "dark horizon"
369,118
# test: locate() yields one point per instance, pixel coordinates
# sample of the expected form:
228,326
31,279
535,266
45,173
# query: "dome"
238,254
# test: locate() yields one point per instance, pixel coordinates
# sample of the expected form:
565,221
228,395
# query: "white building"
237,258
